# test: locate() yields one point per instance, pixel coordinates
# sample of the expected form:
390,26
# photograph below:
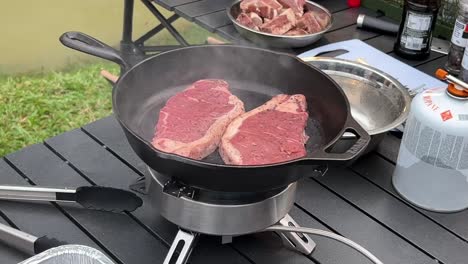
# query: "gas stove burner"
208,196
198,211
218,213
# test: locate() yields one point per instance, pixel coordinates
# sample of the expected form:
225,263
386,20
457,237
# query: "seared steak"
192,122
271,133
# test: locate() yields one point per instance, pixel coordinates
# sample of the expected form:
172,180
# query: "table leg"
164,22
155,30
128,49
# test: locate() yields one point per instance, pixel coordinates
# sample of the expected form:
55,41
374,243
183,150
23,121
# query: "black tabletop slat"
348,17
397,216
70,145
52,171
333,6
389,148
379,171
357,226
100,132
228,32
202,7
431,67
171,4
327,250
383,43
214,20
268,248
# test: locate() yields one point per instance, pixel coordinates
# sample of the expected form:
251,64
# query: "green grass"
34,107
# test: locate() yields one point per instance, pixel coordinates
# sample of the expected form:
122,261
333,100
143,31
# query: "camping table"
358,202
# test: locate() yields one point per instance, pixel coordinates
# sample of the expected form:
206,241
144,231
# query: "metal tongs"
25,242
90,197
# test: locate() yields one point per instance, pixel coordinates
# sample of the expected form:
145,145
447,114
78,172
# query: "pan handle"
363,139
87,44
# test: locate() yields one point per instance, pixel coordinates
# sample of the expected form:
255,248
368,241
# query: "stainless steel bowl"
379,102
277,41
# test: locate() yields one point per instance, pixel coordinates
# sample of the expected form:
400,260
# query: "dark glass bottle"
417,23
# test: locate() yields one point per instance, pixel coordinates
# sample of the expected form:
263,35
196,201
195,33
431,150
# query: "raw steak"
296,32
193,121
309,23
288,12
296,5
322,18
256,19
278,25
245,20
249,5
271,133
269,8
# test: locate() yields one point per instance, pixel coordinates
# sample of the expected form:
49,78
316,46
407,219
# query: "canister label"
435,148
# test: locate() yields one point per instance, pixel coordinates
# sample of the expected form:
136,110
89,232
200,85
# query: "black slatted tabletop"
358,202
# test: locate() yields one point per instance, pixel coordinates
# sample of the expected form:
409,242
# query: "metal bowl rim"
233,20
403,91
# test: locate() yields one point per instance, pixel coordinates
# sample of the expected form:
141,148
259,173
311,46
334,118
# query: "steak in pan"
271,133
193,121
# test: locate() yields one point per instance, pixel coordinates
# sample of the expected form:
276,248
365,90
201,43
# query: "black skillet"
254,75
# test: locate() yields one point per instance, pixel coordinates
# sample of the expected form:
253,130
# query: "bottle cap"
441,74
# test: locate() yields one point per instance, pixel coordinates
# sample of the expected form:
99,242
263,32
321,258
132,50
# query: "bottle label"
459,36
416,34
465,60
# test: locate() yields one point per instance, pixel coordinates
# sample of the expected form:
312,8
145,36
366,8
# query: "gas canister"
432,165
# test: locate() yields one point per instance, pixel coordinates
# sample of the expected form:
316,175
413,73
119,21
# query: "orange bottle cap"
441,74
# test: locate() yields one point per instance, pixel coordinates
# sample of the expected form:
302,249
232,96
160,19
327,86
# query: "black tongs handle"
25,242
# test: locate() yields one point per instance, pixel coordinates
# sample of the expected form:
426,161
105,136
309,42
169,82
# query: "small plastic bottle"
459,39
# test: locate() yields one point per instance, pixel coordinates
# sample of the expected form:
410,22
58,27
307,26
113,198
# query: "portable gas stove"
198,211
226,214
